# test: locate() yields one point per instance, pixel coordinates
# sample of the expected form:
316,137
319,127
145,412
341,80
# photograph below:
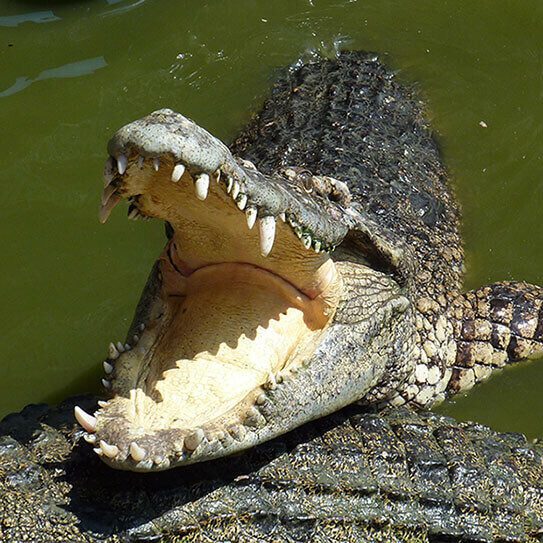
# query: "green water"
73,72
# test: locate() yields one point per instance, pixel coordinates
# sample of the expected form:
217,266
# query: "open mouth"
238,299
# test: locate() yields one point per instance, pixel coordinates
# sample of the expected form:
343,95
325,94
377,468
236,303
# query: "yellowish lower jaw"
203,364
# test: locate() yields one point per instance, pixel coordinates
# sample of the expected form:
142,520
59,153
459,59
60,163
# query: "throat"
235,327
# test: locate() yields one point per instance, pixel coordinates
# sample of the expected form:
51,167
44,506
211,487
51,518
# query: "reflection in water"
36,17
122,9
73,69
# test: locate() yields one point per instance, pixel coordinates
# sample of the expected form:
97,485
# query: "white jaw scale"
267,224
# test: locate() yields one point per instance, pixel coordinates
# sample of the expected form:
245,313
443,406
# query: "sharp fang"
120,347
90,438
229,184
251,214
306,240
109,171
193,440
133,215
106,383
317,246
202,186
141,327
242,201
283,217
102,403
108,368
88,422
113,352
107,193
141,161
235,190
136,452
135,339
156,164
122,163
267,234
98,451
107,208
127,346
178,172
111,451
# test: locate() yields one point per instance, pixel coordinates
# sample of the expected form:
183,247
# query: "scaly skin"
403,332
342,152
352,477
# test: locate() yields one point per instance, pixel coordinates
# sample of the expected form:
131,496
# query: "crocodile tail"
495,325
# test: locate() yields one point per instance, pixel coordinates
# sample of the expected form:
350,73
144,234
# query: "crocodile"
315,263
347,298
354,476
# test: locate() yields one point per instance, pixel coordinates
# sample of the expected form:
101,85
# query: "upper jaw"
313,206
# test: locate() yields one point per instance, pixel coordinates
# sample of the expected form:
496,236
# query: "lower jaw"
227,329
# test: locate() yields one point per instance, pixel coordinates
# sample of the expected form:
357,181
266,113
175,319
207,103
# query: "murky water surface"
73,72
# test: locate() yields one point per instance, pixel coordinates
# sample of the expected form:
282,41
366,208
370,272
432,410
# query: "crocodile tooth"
136,338
193,440
145,464
255,418
267,234
98,451
90,438
241,201
102,403
122,163
251,214
237,432
201,186
107,208
317,246
127,346
87,422
177,173
229,184
156,164
271,382
235,190
141,327
120,347
163,464
283,217
261,399
136,452
108,368
141,161
111,451
106,383
109,171
306,240
217,176
133,215
107,193
113,352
